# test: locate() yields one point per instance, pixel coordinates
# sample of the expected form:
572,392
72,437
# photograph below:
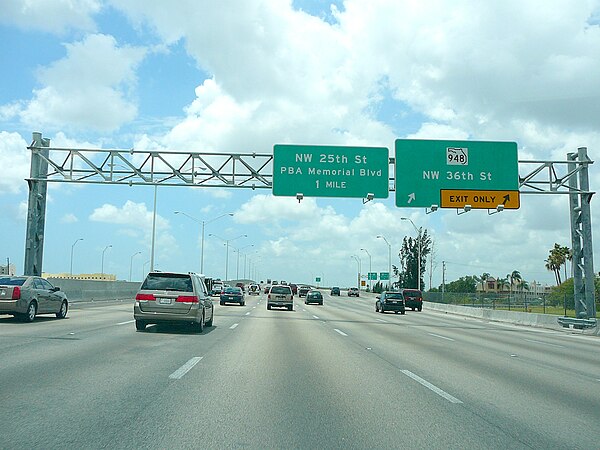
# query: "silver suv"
173,297
280,295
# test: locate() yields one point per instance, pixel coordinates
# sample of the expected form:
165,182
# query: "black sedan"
313,296
232,295
390,301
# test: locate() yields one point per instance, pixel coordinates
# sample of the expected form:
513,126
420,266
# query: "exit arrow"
411,197
506,199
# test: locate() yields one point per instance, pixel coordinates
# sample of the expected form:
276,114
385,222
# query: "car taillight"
187,299
145,297
16,295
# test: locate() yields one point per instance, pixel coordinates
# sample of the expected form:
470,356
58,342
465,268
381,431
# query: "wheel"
420,308
291,308
244,304
222,303
140,325
381,310
403,312
413,308
321,303
212,316
198,327
31,311
62,313
268,306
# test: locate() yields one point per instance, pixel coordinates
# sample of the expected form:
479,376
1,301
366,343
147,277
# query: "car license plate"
164,301
280,297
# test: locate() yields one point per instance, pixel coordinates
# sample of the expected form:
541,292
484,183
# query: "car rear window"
168,282
394,295
281,290
13,281
412,294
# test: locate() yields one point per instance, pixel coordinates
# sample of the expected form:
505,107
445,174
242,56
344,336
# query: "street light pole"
227,241
72,248
418,251
359,268
370,268
102,266
131,263
389,260
204,223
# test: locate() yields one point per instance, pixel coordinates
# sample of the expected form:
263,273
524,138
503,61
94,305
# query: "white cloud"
88,88
50,15
15,158
69,218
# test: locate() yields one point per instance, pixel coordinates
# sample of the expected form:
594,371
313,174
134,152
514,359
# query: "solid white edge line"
382,321
341,332
233,326
431,387
441,337
125,323
185,368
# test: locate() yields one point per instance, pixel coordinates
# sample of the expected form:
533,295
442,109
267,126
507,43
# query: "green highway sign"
330,171
384,275
318,279
372,275
425,167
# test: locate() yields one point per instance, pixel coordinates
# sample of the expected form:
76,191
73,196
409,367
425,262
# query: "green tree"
557,257
407,273
463,284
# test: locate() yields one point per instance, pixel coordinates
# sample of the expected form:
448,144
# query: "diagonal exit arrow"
411,197
506,199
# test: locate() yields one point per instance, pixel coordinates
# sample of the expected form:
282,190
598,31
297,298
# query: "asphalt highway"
333,376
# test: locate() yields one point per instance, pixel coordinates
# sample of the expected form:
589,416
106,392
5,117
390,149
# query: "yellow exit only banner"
455,198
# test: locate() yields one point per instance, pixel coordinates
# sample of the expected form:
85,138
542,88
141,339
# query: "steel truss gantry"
254,171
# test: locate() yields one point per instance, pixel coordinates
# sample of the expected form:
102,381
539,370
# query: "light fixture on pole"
102,265
203,223
131,263
418,251
380,236
73,248
370,267
227,241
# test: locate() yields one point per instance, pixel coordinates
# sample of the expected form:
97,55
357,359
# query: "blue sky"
244,75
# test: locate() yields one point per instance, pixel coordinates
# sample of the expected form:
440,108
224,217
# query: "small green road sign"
384,275
425,167
330,171
372,275
317,279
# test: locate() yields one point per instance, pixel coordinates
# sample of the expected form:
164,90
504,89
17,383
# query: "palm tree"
483,279
557,257
515,277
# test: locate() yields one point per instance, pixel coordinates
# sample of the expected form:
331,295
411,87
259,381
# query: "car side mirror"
378,296
55,289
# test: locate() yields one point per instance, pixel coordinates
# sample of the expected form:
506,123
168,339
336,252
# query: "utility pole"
443,279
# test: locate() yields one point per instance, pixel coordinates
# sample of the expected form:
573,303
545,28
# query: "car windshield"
168,282
281,290
13,281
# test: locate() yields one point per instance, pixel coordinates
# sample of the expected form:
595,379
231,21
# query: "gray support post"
586,233
576,247
36,209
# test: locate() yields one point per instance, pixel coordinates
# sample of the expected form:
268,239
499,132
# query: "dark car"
313,296
413,298
28,296
233,295
390,301
353,292
303,291
335,291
